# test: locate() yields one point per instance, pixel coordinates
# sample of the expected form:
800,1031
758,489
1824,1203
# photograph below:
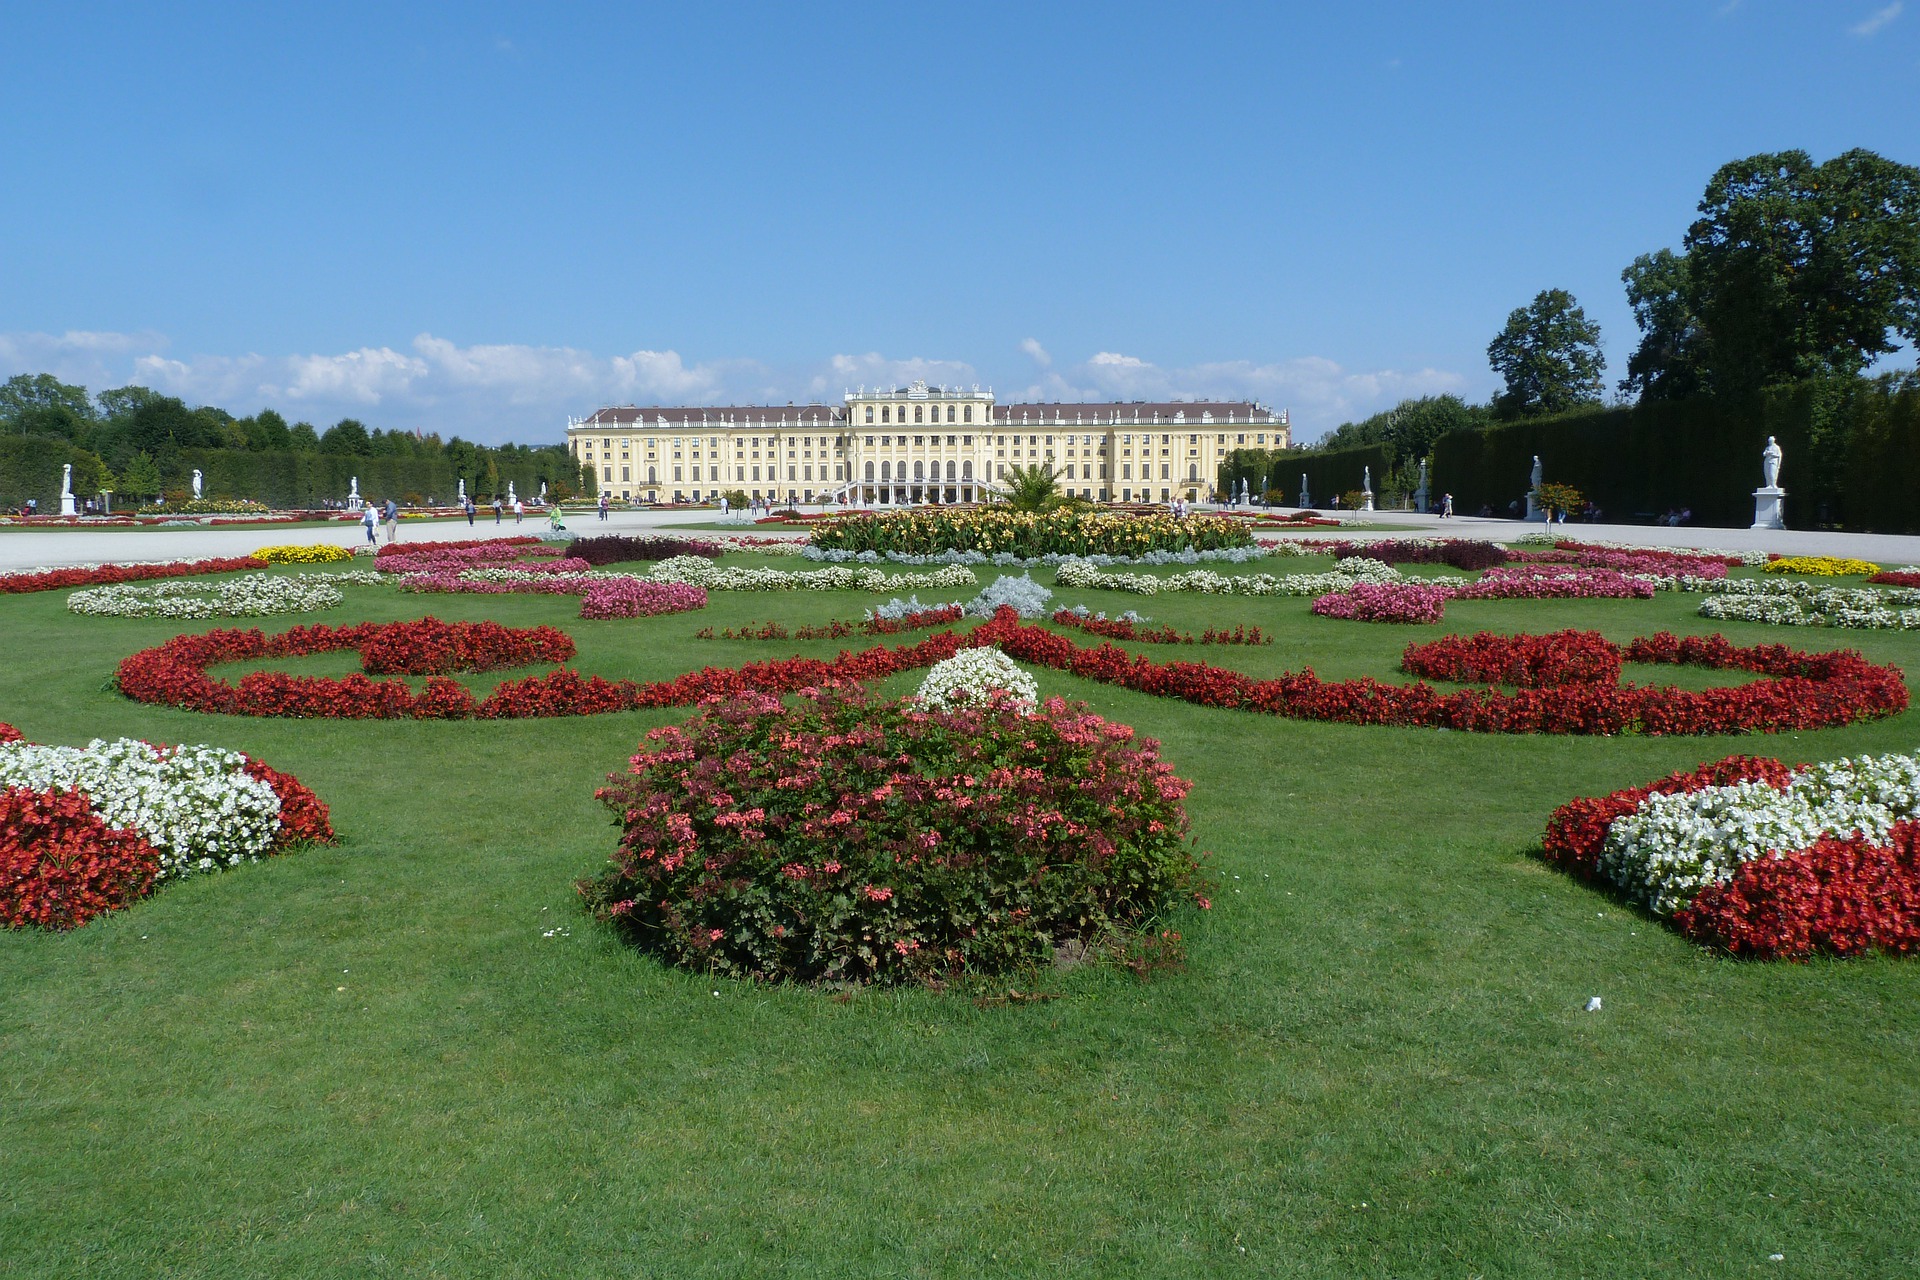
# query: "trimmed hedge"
1334,472
1852,457
30,468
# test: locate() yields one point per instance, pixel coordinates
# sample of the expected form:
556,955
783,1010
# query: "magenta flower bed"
635,598
1554,582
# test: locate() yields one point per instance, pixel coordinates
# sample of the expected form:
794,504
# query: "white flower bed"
1793,603
194,804
254,595
699,572
973,675
896,608
1673,846
1346,573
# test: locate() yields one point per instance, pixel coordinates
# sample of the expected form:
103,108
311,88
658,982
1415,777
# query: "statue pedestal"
1366,500
66,505
1769,511
1420,499
1533,508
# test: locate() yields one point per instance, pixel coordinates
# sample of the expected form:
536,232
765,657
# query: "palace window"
869,471
967,414
869,413
885,414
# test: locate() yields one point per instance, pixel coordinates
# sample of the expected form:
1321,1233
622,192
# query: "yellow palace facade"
915,444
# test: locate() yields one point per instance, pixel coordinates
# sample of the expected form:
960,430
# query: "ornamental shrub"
849,839
1022,594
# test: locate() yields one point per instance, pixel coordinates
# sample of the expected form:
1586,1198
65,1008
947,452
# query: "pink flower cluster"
1385,602
638,598
1667,564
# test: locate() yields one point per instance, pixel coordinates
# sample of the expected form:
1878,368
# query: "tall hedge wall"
1852,458
30,468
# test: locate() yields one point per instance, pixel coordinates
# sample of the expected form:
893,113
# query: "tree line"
134,439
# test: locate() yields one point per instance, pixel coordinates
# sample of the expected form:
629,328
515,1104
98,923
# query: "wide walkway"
28,549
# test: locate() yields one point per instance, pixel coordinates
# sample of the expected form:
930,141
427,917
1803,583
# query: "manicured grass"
373,1060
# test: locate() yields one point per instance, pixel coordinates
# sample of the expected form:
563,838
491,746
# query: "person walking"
471,510
603,506
366,519
392,514
519,511
498,508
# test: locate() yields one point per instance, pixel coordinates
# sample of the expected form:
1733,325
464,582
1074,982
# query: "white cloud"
1873,24
1039,353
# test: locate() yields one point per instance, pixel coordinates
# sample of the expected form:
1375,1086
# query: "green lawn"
374,1060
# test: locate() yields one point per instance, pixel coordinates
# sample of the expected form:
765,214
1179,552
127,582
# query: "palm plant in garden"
1031,488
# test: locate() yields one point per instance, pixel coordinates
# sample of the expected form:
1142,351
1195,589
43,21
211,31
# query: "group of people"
386,513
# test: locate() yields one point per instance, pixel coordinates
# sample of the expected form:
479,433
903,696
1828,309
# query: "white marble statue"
196,484
353,494
66,491
462,499
512,497
1770,463
1306,500
1366,479
543,493
1533,481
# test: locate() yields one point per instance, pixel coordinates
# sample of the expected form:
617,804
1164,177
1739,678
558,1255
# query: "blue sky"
479,219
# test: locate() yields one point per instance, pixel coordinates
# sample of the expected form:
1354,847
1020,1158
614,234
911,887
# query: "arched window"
968,411
884,413
652,476
916,413
966,469
950,472
886,470
869,471
1193,471
869,413
949,413
919,470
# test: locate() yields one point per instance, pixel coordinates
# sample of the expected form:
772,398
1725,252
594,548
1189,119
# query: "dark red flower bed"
1895,578
101,575
1121,629
1578,828
8,733
304,818
61,865
431,647
619,548
1842,895
1461,553
1529,662
426,548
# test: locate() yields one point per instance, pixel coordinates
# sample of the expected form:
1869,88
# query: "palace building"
917,444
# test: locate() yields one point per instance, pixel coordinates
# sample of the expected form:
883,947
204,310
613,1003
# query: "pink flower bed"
635,598
1384,602
1555,582
1663,563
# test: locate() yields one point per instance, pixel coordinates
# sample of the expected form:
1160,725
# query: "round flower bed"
84,831
1759,859
256,595
848,839
978,676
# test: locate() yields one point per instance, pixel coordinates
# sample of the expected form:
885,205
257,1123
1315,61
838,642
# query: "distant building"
917,444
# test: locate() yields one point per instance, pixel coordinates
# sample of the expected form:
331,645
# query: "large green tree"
1549,355
1667,364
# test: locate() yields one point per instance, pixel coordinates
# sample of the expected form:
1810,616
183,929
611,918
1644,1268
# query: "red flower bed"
9,734
60,865
304,818
101,575
1841,895
1895,578
1578,829
1805,691
431,647
175,674
1530,662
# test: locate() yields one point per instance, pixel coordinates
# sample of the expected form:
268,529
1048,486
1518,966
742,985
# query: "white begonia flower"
972,675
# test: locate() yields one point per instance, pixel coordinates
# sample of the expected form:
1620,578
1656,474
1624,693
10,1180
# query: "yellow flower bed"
927,531
320,553
1821,566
